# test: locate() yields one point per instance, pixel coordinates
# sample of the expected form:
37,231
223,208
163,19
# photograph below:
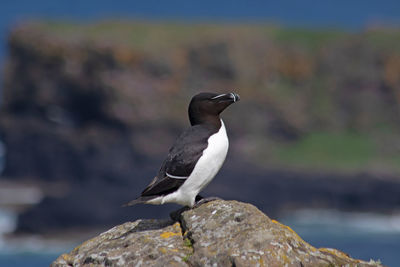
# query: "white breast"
205,170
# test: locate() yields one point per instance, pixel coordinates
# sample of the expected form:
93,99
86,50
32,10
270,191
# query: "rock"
155,243
218,233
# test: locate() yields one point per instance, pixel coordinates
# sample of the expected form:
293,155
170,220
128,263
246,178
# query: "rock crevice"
218,233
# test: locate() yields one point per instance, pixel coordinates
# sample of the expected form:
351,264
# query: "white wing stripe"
176,177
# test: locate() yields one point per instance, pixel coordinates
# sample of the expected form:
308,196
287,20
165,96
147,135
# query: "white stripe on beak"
234,97
218,96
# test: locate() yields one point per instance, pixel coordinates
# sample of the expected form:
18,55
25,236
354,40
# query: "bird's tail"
139,200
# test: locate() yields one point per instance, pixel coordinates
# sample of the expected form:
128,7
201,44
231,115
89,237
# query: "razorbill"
196,156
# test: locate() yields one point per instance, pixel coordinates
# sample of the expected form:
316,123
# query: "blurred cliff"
89,110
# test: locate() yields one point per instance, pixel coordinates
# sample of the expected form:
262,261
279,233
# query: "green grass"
137,31
187,243
311,38
151,36
186,258
341,150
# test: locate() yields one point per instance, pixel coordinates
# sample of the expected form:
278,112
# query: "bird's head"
208,106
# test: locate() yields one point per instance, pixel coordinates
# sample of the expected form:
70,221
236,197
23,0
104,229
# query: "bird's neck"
208,120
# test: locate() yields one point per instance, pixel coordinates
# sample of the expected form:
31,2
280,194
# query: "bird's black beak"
231,97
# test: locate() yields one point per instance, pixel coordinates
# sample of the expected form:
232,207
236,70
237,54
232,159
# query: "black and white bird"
196,156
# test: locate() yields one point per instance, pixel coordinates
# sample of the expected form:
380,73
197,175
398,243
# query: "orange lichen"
285,258
336,253
68,258
295,234
169,234
287,227
177,227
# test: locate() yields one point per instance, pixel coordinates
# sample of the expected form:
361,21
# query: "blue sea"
361,235
26,259
29,251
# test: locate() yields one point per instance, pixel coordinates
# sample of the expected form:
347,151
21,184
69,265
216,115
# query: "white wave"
2,156
20,195
36,244
30,244
8,222
352,221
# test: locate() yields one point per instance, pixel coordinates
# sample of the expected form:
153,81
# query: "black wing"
181,160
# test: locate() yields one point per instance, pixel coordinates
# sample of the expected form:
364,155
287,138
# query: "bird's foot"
202,200
176,215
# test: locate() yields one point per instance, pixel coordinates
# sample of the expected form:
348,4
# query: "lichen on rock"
139,243
218,233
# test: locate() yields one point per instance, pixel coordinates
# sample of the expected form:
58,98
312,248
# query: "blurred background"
93,93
